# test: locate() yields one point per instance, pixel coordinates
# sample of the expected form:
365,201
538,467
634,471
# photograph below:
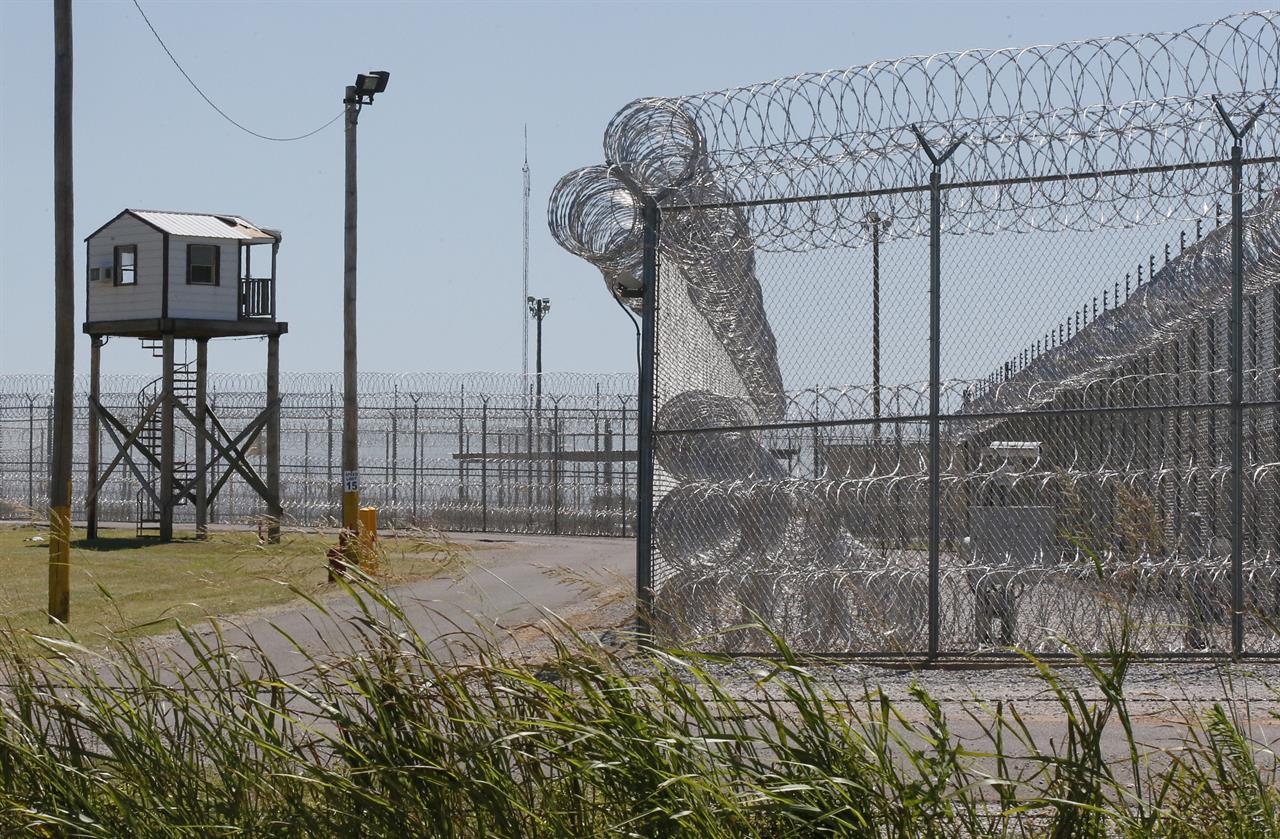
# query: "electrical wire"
210,102
636,323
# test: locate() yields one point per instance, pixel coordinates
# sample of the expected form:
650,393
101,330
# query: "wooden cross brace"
227,448
232,450
126,439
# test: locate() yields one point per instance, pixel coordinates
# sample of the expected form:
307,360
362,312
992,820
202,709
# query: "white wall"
144,300
218,302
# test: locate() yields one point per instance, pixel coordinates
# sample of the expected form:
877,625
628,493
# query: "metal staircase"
184,390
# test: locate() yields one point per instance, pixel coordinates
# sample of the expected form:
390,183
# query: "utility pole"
357,95
64,314
538,307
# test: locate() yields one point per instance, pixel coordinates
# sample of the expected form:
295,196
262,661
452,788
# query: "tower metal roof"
199,225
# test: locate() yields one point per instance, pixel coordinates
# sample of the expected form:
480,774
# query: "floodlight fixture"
875,222
367,85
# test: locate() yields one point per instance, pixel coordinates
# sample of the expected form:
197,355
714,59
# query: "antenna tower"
524,297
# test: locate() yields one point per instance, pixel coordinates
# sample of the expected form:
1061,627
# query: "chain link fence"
959,353
450,452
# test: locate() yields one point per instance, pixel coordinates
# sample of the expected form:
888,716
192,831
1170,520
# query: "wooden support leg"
276,509
202,446
95,384
166,444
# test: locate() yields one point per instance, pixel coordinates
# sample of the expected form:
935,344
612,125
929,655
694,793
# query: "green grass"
124,584
395,740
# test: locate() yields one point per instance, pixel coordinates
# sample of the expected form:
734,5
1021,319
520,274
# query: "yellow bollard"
368,517
358,547
368,539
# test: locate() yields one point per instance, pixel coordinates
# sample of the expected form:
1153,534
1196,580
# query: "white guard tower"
163,277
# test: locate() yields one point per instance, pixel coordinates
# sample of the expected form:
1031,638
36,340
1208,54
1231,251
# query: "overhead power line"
210,102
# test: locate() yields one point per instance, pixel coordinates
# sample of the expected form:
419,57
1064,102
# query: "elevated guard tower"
164,277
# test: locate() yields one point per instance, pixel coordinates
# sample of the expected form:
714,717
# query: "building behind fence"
958,352
449,452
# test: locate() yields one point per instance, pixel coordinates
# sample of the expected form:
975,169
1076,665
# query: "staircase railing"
148,521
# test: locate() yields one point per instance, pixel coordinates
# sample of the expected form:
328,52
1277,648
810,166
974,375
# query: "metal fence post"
484,463
817,461
31,453
328,472
622,440
47,444
555,466
595,442
462,475
306,476
644,447
502,472
1275,426
395,453
1235,333
211,506
528,448
935,384
415,398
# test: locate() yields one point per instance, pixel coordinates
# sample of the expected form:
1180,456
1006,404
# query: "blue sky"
440,152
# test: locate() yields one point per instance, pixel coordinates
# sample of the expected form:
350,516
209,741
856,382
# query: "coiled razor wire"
372,383
1100,134
1192,286
437,450
837,564
1086,135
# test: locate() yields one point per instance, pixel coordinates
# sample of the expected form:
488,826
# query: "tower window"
126,265
202,264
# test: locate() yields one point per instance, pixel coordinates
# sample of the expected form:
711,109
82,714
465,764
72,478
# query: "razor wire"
814,509
831,554
372,383
1187,289
437,450
839,602
1086,135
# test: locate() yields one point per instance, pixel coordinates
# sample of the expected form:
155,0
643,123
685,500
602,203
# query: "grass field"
388,739
121,584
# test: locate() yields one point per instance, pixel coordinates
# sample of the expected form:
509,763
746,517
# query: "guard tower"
164,277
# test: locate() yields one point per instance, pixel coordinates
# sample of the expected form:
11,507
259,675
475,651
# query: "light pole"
538,307
875,224
357,95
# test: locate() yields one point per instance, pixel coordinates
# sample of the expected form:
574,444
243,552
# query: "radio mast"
524,296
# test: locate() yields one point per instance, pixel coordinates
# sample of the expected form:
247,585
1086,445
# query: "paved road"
511,582
506,583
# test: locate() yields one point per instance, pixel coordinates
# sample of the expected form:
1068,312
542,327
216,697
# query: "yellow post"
368,540
60,562
351,513
348,548
368,517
